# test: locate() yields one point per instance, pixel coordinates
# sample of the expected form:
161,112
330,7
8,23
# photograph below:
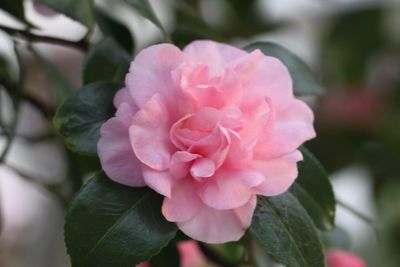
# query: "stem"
82,45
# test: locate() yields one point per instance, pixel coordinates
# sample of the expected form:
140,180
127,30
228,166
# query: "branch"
82,45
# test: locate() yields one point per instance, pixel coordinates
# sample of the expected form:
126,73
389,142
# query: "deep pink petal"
279,174
219,226
115,152
183,204
149,135
229,189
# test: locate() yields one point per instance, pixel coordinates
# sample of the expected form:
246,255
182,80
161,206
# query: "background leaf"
115,29
168,257
14,8
81,116
314,191
109,224
145,9
81,11
304,82
285,230
106,61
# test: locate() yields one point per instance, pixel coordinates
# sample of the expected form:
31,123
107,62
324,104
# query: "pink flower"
190,254
338,258
209,127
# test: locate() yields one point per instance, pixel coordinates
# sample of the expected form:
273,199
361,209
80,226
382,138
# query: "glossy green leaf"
80,117
314,191
304,82
145,9
115,29
106,61
109,224
81,11
14,8
285,230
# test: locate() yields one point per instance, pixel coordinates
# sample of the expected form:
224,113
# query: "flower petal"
150,73
279,173
292,127
219,226
123,96
229,189
115,151
202,168
159,181
149,135
183,204
269,78
215,55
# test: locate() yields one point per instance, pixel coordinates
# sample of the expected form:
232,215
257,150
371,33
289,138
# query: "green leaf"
283,227
14,8
145,9
109,224
81,11
80,117
168,257
314,191
106,61
304,82
115,29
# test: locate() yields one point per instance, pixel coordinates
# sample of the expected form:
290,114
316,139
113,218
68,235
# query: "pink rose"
209,127
338,258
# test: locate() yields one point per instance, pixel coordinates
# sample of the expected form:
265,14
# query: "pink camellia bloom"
339,258
209,127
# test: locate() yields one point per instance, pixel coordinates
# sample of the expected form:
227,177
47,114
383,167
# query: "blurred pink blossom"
339,258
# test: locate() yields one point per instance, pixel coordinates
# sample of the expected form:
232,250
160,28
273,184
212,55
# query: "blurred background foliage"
352,46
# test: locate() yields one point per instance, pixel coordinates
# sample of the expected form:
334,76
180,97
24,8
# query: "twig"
82,45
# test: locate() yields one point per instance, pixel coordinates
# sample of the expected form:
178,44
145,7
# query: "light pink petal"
292,127
269,79
279,174
116,154
215,55
219,226
150,73
202,168
123,96
183,204
149,135
229,189
159,181
180,163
